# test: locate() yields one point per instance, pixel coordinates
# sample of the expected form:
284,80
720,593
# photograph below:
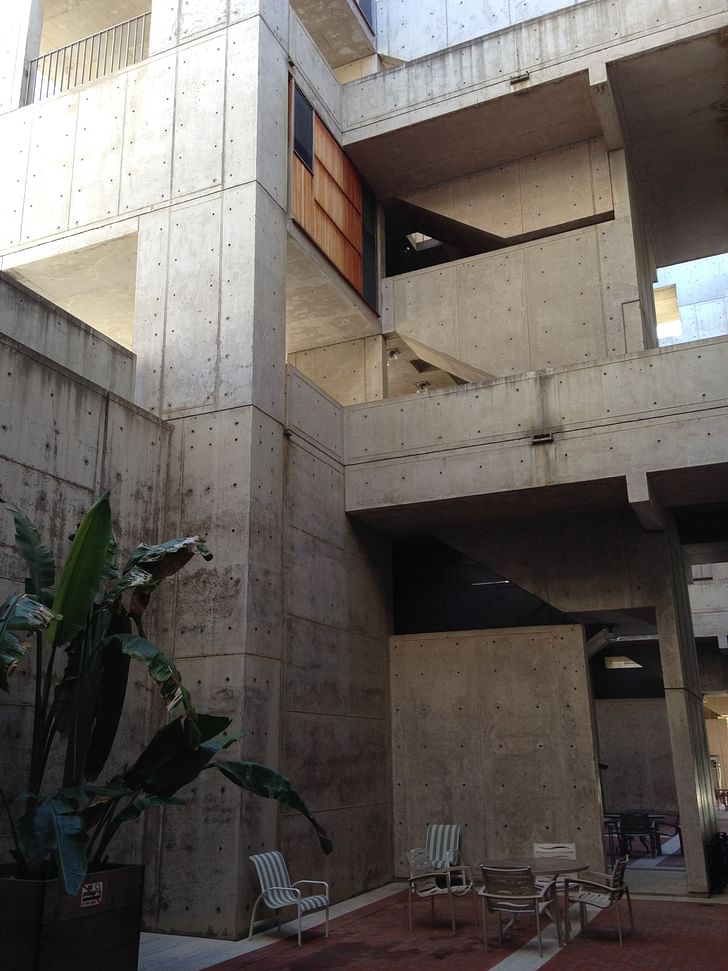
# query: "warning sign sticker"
92,894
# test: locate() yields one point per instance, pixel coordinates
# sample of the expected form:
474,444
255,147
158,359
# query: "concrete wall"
493,730
537,305
530,194
410,28
42,327
634,741
19,43
607,562
335,688
567,298
351,372
64,441
702,297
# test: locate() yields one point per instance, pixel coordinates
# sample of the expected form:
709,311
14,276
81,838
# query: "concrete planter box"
43,929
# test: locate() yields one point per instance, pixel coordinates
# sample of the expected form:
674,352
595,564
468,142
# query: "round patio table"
540,865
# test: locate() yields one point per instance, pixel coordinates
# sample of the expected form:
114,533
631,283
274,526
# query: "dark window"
303,129
367,8
369,246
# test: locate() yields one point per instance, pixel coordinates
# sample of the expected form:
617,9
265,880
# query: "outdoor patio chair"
640,825
600,890
565,851
442,843
667,829
428,881
277,891
513,891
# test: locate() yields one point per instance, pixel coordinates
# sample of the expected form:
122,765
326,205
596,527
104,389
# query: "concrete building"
363,294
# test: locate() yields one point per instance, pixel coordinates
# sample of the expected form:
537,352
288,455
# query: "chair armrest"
313,883
291,888
606,888
595,876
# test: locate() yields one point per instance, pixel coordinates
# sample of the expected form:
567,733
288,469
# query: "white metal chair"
428,881
513,891
600,890
277,891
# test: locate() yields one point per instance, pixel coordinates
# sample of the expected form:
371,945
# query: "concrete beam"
641,497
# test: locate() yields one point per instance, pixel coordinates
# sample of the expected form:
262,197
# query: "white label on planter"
92,894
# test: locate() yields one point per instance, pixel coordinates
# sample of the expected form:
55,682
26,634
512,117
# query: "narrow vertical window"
369,245
303,129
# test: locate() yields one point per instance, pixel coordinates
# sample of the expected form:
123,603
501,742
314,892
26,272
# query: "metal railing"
88,59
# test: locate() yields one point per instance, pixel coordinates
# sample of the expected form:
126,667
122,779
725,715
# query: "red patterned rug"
669,936
378,936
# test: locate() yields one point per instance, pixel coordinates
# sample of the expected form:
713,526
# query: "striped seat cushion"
315,902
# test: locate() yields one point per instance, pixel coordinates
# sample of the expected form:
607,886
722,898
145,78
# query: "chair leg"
485,928
500,927
299,925
556,917
475,906
452,913
619,923
538,932
409,901
582,916
327,922
252,918
629,908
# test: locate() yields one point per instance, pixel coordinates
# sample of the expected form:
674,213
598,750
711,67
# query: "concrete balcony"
87,59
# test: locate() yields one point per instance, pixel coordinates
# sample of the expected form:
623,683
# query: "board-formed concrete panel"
493,730
146,170
633,734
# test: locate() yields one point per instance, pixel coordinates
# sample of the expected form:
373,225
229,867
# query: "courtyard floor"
371,932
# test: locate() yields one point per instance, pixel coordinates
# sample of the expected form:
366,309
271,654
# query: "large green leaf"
168,761
165,559
257,778
161,669
83,571
110,697
38,558
19,613
52,827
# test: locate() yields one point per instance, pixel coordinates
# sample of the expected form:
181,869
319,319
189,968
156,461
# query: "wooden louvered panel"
327,151
337,207
337,248
303,204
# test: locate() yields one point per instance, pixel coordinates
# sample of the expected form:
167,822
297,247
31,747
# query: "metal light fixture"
422,386
393,354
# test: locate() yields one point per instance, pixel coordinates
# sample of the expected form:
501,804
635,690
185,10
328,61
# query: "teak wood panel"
327,204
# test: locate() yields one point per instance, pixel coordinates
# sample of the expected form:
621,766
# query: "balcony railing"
88,59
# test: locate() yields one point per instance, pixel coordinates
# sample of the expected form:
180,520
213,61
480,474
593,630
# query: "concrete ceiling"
496,131
338,28
321,308
673,104
66,21
718,704
95,284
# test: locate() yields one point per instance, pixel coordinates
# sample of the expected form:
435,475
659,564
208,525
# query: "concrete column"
210,336
685,716
19,43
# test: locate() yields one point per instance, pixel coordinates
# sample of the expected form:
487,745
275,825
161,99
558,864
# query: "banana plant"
83,629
